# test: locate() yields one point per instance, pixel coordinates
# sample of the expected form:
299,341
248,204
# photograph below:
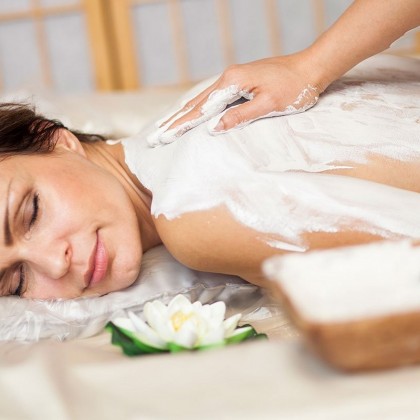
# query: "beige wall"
82,45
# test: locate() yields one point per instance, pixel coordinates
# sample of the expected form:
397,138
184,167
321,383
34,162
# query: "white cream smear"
269,175
305,100
216,103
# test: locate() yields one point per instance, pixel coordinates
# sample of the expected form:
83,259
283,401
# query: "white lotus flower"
184,325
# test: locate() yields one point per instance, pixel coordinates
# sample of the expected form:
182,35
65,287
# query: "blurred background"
88,45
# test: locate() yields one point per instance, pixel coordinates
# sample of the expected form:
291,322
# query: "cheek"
85,193
128,253
82,204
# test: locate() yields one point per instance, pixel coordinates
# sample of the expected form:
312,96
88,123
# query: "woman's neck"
111,157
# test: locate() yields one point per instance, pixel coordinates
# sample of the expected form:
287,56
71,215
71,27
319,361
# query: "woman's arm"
214,241
287,84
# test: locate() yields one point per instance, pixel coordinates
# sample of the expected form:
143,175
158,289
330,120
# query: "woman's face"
67,227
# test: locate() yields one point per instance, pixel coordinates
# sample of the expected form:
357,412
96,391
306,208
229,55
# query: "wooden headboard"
82,45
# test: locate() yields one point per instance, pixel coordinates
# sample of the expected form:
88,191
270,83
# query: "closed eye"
35,209
33,217
18,291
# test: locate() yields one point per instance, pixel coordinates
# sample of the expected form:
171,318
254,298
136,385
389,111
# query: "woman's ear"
69,141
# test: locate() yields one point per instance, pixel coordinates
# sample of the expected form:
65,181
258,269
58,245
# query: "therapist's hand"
276,85
284,85
273,86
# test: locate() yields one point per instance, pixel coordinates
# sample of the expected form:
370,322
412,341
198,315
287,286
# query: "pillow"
161,277
111,114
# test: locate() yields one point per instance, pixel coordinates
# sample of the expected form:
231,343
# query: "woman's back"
307,173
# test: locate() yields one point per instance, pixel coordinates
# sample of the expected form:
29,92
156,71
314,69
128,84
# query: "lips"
98,264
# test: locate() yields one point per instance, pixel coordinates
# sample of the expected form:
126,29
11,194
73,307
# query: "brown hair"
24,131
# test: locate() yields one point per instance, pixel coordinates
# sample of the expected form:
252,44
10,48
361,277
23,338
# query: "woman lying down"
77,212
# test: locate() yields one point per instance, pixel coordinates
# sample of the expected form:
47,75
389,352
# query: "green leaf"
218,345
128,341
176,348
246,332
120,339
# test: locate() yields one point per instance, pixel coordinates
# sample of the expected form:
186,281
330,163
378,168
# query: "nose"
51,259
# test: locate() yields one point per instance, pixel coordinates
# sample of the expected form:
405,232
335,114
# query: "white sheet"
263,380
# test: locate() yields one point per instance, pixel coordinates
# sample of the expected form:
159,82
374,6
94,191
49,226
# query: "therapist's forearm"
366,28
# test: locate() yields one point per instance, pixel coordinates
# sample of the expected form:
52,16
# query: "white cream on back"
270,174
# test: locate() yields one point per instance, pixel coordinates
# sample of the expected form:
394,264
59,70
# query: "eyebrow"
8,240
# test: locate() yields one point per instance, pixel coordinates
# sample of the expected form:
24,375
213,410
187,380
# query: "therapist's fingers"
194,114
191,104
241,115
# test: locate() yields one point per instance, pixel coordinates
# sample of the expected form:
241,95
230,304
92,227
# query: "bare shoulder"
214,241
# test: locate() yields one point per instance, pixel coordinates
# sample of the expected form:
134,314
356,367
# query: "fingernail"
220,126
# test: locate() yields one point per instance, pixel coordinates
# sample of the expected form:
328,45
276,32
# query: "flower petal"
218,310
146,334
205,312
160,307
213,336
136,320
200,324
125,323
129,341
230,324
187,335
179,302
158,321
197,306
153,314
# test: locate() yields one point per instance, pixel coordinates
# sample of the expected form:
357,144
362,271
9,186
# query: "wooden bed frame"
112,43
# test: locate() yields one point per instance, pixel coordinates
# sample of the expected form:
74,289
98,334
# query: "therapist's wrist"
316,71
